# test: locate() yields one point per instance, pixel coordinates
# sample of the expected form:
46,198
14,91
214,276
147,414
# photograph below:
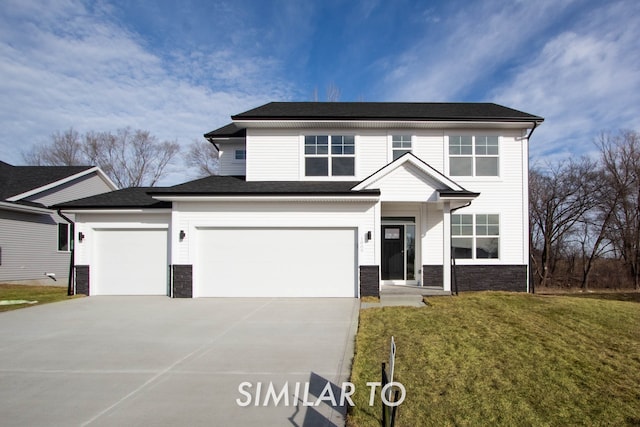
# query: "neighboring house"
326,200
35,242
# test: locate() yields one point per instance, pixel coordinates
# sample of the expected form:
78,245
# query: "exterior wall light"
182,235
80,236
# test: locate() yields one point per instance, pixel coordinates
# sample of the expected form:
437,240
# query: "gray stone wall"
432,275
369,281
491,278
82,280
182,281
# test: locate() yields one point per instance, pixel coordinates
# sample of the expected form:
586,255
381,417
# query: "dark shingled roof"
127,198
233,185
141,197
437,111
16,180
229,131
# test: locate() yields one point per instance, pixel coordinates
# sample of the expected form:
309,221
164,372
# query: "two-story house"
327,200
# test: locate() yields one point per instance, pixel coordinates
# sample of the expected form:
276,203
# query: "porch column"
446,248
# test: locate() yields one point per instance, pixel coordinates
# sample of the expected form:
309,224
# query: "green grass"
42,294
504,359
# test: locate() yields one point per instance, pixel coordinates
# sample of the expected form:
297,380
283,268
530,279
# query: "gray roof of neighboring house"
127,198
437,111
16,180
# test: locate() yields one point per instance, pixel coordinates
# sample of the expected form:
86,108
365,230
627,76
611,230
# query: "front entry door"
399,252
393,263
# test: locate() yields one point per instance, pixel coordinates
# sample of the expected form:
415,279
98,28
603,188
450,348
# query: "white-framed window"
64,237
474,155
400,144
240,155
329,155
475,236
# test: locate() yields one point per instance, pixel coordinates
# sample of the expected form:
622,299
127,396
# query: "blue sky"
181,68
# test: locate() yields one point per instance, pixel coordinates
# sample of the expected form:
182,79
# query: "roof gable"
410,179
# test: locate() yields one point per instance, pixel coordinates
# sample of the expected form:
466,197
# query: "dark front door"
393,252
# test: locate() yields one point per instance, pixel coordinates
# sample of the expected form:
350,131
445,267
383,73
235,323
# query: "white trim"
412,159
116,211
379,124
70,178
22,208
319,198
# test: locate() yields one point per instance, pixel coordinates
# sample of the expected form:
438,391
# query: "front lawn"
41,294
504,359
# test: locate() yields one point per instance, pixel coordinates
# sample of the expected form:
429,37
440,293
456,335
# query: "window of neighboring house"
400,144
329,155
473,155
475,236
64,237
240,155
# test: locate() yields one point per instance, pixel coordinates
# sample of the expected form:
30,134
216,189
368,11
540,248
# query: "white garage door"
129,262
268,262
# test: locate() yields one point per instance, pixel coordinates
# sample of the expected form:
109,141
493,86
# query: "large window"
473,155
400,144
475,236
329,155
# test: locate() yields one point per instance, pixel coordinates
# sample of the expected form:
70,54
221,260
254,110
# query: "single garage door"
276,262
129,262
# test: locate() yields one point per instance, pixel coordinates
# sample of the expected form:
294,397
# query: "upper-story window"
240,155
329,155
400,144
473,155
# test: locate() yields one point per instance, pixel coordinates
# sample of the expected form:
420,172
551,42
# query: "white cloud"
465,48
584,80
72,65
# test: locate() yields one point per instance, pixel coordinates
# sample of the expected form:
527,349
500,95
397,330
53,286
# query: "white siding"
85,186
504,196
371,153
228,163
433,236
429,147
192,216
405,184
273,155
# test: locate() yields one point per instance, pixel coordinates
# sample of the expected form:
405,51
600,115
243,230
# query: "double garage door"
275,262
230,262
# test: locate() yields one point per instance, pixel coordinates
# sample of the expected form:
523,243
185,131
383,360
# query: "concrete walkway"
406,296
154,361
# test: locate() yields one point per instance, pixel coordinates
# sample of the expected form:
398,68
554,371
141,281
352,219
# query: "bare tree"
132,158
203,157
620,157
333,92
558,200
65,149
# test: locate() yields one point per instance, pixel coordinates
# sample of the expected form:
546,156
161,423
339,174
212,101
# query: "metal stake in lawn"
386,379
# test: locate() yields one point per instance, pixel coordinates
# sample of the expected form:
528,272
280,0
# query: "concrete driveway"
144,361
